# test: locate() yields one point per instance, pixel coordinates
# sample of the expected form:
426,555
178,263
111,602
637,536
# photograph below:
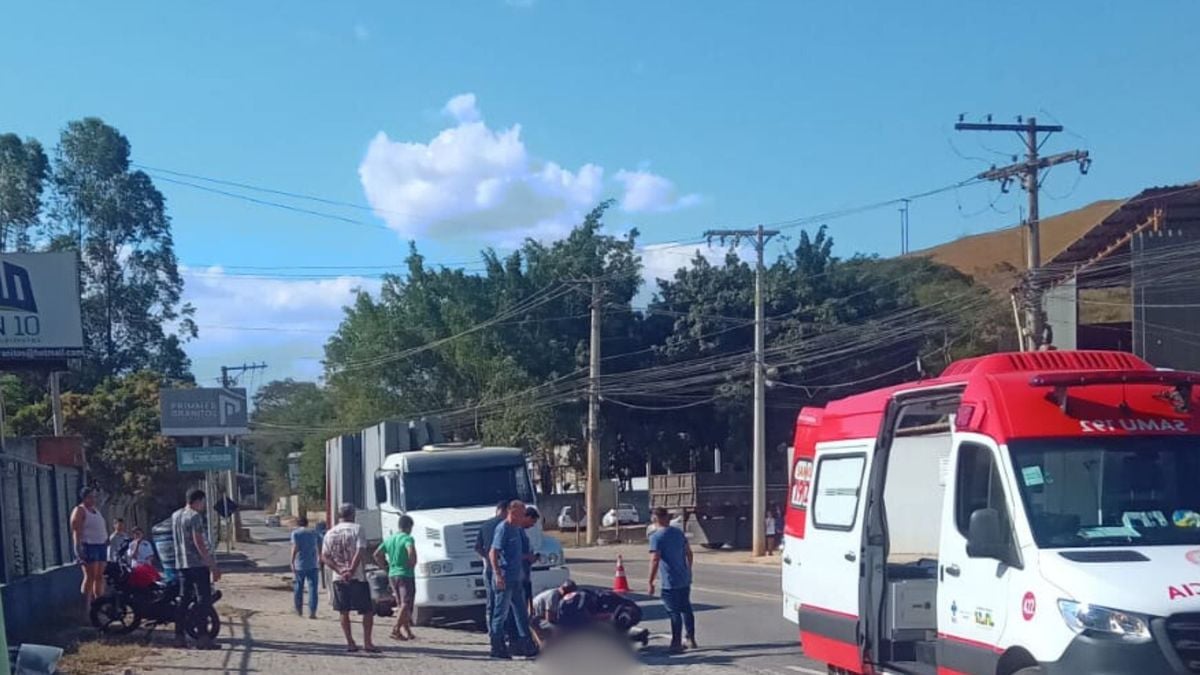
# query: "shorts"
352,596
95,553
405,590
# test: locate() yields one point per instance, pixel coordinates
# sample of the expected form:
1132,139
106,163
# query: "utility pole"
759,237
904,227
1029,172
227,382
592,498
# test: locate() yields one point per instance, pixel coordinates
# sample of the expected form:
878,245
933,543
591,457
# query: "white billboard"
39,307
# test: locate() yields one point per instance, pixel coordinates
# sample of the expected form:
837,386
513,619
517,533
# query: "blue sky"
695,115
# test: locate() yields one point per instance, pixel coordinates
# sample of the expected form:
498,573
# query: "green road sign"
215,458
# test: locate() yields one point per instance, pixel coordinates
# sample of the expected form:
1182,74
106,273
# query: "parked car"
676,521
626,514
567,519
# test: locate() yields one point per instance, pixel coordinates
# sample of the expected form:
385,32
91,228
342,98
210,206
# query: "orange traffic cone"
620,583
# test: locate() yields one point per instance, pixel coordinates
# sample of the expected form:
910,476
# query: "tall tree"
132,311
23,173
287,414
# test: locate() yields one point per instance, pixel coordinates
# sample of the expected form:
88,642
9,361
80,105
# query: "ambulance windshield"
1111,491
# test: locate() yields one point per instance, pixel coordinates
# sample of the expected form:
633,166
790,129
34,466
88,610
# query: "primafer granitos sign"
203,412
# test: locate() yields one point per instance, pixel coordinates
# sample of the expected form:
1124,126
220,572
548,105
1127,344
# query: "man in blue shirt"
483,547
306,544
507,557
671,558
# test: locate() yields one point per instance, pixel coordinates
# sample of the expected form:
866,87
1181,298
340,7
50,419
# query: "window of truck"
1120,490
453,489
839,483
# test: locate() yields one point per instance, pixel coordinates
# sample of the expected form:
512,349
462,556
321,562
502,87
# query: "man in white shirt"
344,552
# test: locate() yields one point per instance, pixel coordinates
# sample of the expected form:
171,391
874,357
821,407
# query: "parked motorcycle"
128,606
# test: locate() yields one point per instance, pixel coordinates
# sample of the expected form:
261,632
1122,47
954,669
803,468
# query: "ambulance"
1032,513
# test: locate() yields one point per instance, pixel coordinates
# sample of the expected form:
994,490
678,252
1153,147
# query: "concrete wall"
39,599
551,505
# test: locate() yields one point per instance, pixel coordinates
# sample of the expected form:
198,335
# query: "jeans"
195,583
678,603
309,577
509,608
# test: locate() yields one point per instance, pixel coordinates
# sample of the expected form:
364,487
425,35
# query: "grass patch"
85,651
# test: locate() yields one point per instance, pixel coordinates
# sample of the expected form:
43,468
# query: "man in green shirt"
398,553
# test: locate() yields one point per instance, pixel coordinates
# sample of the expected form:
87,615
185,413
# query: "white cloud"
473,180
284,322
646,192
463,109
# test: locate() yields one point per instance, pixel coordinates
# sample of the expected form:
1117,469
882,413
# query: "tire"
114,617
207,624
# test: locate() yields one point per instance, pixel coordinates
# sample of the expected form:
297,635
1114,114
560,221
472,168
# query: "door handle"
850,556
953,570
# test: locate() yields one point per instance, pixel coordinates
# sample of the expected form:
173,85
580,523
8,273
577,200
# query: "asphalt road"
739,621
738,606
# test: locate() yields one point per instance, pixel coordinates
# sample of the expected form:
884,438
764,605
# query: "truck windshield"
478,487
1111,491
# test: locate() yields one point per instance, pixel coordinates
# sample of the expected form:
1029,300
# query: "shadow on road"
713,656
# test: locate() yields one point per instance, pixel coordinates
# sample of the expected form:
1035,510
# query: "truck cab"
1023,513
449,490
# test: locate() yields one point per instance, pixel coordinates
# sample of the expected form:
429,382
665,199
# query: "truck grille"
1184,633
470,534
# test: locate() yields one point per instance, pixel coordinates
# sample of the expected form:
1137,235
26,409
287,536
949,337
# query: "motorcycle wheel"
114,617
206,623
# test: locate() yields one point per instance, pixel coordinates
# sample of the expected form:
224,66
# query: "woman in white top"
91,543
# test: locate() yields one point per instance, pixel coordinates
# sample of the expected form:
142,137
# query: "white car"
567,520
626,514
676,521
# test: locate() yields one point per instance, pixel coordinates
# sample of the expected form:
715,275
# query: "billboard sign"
203,412
39,307
215,458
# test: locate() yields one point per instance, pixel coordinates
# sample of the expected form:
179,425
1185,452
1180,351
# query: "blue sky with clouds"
465,124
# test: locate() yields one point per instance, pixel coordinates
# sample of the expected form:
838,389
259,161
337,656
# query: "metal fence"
35,503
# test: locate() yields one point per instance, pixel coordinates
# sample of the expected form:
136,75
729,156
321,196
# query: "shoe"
313,615
503,656
692,643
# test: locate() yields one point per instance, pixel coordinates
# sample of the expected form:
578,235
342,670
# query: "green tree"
23,172
131,287
286,415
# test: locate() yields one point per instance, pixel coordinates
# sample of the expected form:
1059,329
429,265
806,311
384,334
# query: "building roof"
1068,239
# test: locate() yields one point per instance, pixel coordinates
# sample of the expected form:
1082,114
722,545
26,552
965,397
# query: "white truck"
449,490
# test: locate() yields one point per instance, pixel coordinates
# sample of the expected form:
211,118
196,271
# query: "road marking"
741,594
807,671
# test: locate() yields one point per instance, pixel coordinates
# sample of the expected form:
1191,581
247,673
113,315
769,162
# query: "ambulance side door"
977,560
831,565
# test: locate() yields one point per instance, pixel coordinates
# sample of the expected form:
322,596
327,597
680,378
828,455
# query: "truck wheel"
422,616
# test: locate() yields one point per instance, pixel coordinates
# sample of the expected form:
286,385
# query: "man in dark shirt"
483,544
671,557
